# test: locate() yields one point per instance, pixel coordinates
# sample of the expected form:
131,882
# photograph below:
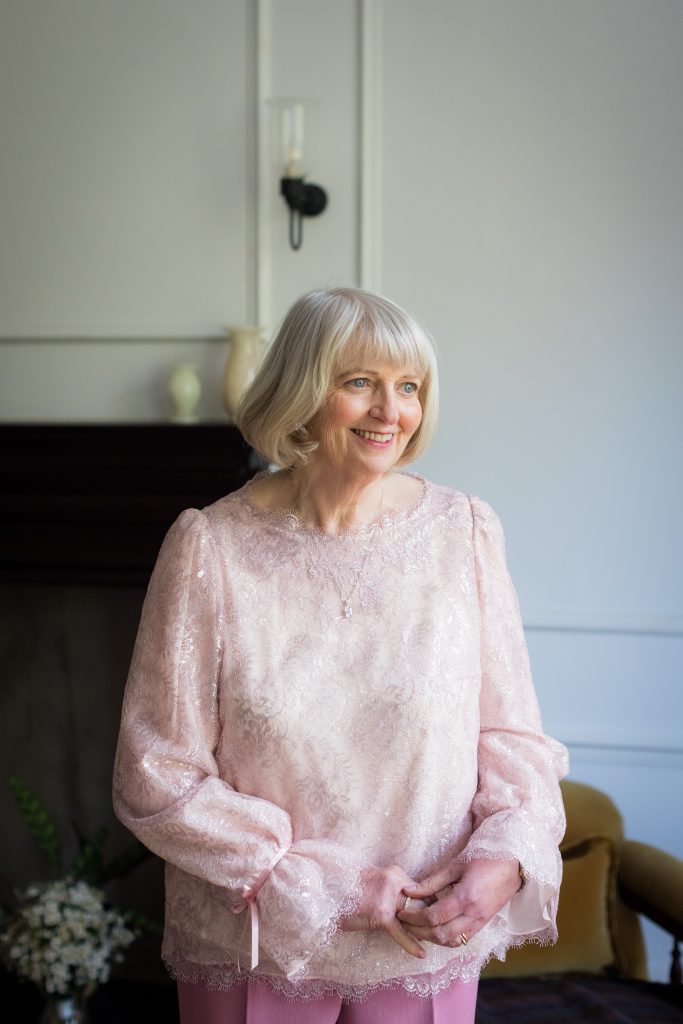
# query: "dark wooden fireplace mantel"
90,502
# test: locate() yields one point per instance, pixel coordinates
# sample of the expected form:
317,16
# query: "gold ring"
463,938
408,899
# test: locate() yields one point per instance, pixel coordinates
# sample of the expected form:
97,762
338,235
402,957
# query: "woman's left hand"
466,897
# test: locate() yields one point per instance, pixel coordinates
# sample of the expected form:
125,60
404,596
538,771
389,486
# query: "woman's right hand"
382,899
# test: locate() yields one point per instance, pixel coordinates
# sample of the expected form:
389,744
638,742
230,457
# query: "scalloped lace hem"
461,968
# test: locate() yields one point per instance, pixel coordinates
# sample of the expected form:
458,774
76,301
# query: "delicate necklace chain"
346,605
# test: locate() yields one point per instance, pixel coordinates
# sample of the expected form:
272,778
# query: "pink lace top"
273,746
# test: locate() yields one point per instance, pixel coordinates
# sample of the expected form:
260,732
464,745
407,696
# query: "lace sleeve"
517,812
167,789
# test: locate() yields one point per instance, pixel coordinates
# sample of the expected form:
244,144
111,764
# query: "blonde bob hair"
294,379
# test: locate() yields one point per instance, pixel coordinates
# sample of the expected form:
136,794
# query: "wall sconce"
293,134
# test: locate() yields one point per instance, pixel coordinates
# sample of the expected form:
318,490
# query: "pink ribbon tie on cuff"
249,894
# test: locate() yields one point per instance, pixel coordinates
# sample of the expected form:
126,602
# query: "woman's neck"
335,504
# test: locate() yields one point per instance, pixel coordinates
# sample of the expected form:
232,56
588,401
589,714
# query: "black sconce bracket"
304,199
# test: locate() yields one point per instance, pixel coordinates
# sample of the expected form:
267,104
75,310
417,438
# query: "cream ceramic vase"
241,365
184,387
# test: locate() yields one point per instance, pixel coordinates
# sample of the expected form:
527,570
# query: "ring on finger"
463,938
405,905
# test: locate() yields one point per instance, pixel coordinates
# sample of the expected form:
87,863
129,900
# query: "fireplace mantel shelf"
89,503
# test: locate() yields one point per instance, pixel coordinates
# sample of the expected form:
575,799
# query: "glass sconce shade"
293,135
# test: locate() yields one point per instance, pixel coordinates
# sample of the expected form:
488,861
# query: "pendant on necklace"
348,610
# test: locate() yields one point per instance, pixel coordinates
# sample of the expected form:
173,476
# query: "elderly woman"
330,732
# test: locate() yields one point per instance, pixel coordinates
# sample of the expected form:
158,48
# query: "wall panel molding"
645,753
586,621
370,226
109,339
264,178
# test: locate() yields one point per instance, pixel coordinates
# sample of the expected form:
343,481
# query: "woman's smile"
374,438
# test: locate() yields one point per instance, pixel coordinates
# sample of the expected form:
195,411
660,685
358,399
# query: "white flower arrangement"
63,937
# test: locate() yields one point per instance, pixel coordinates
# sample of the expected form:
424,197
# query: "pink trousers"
257,1003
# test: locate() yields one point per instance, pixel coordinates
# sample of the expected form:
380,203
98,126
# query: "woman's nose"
386,406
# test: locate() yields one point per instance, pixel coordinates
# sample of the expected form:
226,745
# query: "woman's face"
372,411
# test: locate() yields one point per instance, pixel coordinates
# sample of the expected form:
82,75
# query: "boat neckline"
286,519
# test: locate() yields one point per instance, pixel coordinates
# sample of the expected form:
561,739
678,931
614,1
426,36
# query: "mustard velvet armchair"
608,881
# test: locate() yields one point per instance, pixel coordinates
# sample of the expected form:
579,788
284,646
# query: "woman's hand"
464,898
383,896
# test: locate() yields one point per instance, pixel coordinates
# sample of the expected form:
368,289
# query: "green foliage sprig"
38,821
90,864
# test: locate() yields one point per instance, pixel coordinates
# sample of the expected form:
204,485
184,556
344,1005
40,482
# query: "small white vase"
184,387
241,365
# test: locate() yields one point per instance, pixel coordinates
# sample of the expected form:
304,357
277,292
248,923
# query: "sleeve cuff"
530,910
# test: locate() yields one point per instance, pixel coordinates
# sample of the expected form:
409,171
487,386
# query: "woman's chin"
376,462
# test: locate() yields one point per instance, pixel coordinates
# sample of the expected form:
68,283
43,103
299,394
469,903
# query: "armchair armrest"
651,883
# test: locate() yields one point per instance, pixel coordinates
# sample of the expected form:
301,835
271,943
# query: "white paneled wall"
509,171
124,167
127,164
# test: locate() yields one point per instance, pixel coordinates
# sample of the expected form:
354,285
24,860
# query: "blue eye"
358,382
409,388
